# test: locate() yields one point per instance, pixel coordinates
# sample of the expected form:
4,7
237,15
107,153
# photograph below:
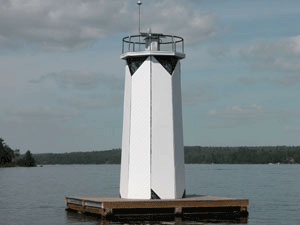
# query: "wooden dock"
115,206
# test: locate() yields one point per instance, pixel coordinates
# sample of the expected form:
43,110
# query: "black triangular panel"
184,194
168,62
135,62
154,195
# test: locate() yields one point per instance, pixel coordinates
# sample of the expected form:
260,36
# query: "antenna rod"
139,4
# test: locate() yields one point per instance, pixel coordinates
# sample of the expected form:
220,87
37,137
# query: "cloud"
55,25
252,80
198,93
286,80
275,55
237,115
183,19
82,79
40,114
245,111
219,51
93,101
292,129
280,57
268,50
82,85
290,46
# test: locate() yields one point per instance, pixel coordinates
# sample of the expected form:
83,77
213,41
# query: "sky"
62,79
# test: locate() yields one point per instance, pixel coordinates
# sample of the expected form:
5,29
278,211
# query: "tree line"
192,155
95,157
11,158
242,155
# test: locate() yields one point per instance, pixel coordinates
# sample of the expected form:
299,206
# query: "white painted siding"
178,133
139,159
125,135
162,164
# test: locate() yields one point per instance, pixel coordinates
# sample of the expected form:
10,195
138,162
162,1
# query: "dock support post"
178,210
107,212
243,209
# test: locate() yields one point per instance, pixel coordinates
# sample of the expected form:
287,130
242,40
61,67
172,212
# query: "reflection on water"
151,220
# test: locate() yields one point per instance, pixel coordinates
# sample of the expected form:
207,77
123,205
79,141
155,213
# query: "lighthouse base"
115,206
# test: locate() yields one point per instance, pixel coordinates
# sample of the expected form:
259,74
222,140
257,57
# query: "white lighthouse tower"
152,163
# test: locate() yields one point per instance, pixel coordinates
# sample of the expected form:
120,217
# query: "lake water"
36,195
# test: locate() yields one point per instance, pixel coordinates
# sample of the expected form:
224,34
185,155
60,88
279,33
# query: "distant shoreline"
192,155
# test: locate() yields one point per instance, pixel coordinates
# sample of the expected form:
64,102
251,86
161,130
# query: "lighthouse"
152,162
152,177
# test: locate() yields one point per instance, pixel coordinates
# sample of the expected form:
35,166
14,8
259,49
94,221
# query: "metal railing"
136,43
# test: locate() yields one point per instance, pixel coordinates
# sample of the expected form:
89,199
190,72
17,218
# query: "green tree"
1,150
27,161
6,153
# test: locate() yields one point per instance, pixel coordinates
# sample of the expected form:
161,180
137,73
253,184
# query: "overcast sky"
62,78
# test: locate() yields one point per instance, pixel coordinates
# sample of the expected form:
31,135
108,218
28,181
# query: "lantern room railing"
152,42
